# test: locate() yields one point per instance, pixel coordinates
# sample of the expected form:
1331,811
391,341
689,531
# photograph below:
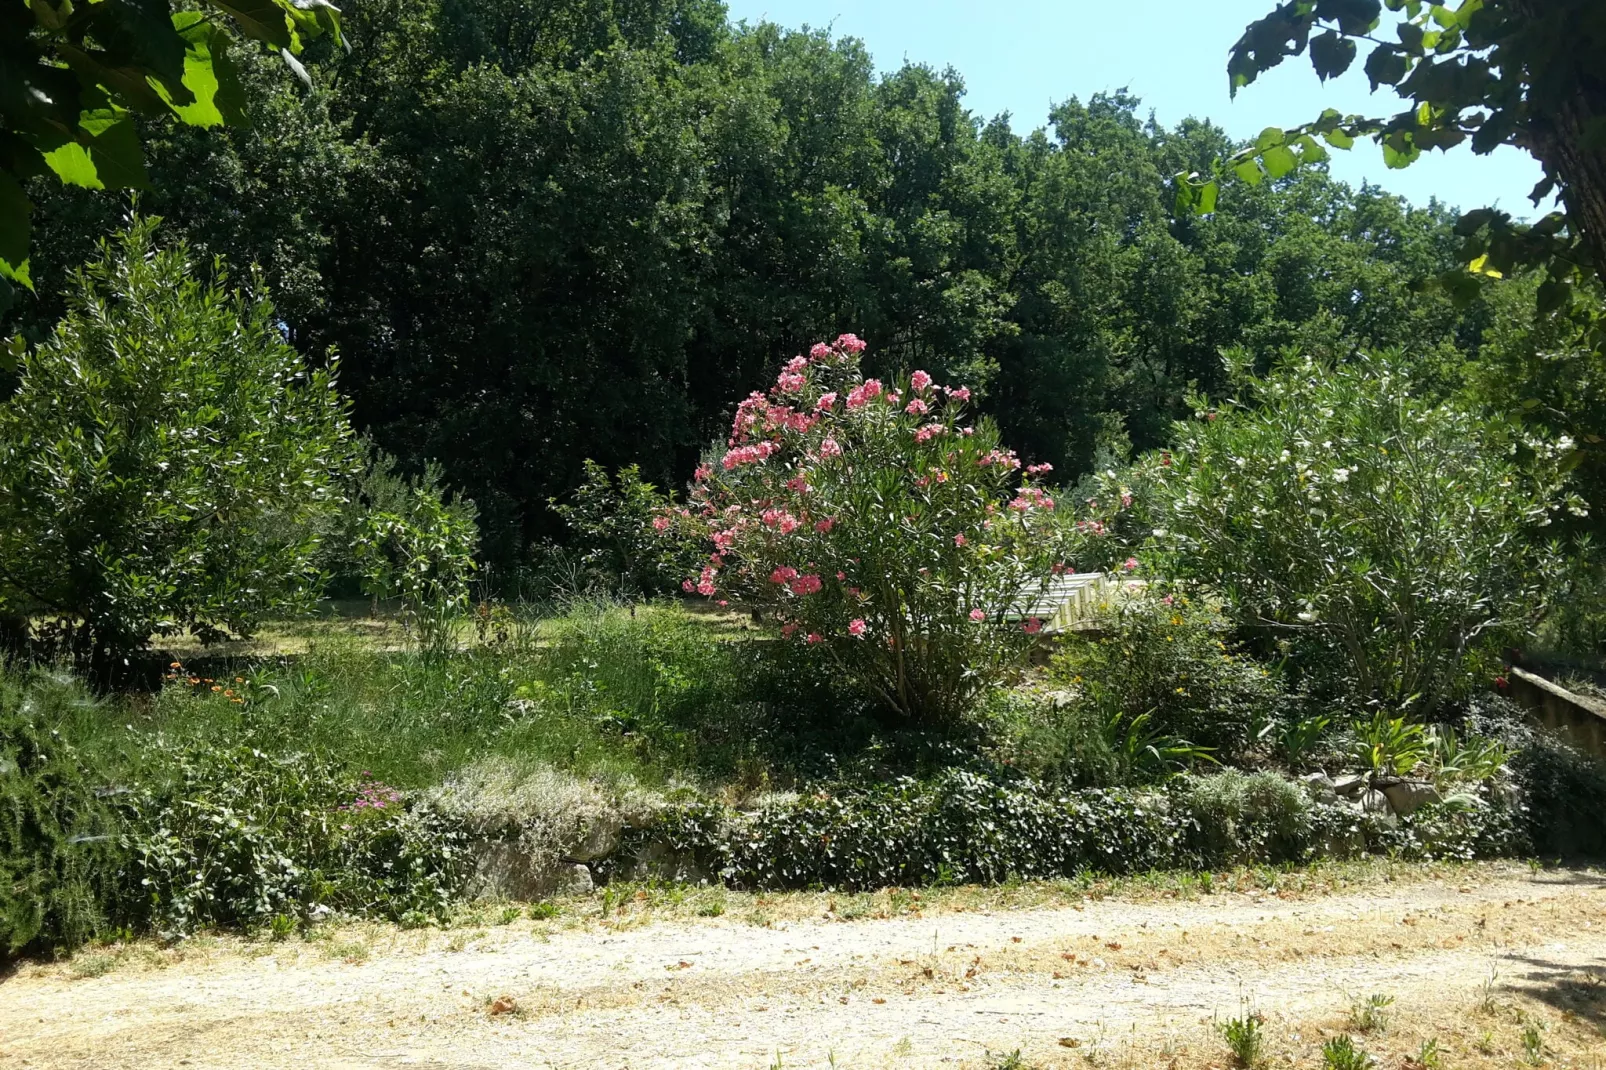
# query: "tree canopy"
537,234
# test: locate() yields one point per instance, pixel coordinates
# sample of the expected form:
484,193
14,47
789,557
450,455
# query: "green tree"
73,76
167,461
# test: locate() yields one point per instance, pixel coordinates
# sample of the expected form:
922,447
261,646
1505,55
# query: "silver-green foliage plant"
1392,541
167,461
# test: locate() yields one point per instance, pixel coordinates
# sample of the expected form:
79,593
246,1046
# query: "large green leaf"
1386,66
1279,161
108,158
260,20
1331,54
209,74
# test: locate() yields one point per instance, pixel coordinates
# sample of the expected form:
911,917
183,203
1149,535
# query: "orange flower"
229,692
216,688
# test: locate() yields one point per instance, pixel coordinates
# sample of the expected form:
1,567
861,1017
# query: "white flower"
1341,475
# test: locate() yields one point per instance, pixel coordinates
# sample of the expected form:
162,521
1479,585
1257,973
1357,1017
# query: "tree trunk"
1563,104
1581,172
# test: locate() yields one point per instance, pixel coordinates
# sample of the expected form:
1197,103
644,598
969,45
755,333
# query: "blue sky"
1021,55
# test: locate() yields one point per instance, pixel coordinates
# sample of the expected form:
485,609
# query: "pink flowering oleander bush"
875,522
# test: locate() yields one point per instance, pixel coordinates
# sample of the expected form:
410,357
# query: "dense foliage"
960,827
538,234
1390,541
60,856
75,75
167,462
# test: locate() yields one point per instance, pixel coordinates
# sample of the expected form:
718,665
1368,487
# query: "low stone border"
1581,718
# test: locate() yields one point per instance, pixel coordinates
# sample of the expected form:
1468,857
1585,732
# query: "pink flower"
920,382
825,402
856,627
784,574
824,526
798,485
660,523
820,351
850,343
916,408
723,603
1038,469
1168,599
978,615
1130,563
809,584
959,393
788,524
830,448
929,432
702,473
789,383
688,586
960,540
1126,501
787,629
1032,626
815,637
706,589
840,576
797,364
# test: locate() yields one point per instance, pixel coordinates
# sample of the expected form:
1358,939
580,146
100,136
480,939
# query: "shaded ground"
1473,959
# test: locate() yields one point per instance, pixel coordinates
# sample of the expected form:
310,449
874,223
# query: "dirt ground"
1496,966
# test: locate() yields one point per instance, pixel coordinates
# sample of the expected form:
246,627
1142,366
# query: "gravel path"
1107,983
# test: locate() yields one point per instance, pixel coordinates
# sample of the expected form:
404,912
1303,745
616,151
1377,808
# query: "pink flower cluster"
866,391
930,431
758,451
1029,497
920,382
371,795
1006,458
780,520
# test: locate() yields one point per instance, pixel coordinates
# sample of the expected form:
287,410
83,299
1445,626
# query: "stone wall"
1578,717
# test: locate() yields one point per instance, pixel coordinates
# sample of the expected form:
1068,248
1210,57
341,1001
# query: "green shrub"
611,522
60,855
415,542
961,826
166,462
1241,818
1387,541
227,834
1167,657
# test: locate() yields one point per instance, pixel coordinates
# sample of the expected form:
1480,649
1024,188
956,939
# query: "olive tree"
167,461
